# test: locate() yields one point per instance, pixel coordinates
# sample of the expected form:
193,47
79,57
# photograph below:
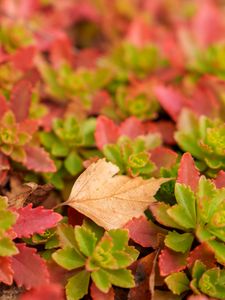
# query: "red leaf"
220,180
132,127
163,157
6,272
167,129
96,294
38,160
23,59
101,100
3,106
29,126
61,51
208,23
20,100
202,253
74,216
139,33
200,297
106,132
171,100
4,168
188,173
45,292
144,232
171,261
29,268
34,220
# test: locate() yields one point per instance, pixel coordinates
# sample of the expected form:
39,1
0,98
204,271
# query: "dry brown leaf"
111,200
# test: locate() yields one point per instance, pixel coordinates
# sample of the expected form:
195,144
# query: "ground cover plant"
112,149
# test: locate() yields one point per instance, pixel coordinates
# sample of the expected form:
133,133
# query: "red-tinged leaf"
20,100
45,292
101,100
145,232
29,126
167,129
6,272
96,294
23,59
171,261
171,100
61,51
3,106
200,297
220,180
74,217
106,132
132,127
163,157
188,173
139,33
142,269
208,23
29,268
34,220
38,160
202,253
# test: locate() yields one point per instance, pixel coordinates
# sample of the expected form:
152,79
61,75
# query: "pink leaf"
144,232
202,253
132,128
163,157
106,132
139,33
20,100
29,268
167,129
200,297
23,59
171,100
61,51
6,272
101,100
171,261
188,173
34,220
38,160
45,292
3,106
96,294
29,126
220,180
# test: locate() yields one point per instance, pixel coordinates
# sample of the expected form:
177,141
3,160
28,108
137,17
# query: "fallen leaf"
109,200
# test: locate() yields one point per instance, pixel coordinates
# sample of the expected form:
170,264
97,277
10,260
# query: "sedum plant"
95,254
204,139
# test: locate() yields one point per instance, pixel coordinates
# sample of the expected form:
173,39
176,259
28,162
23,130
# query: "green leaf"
86,240
66,235
218,249
177,282
101,280
212,283
184,213
73,163
7,219
59,149
119,237
7,247
122,278
179,242
77,286
68,258
198,269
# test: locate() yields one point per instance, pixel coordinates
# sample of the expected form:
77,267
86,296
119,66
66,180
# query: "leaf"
7,247
171,261
24,57
106,132
220,180
97,191
122,278
184,213
164,295
35,220
29,268
86,240
187,173
177,283
101,280
68,258
73,163
20,100
77,286
3,106
179,242
212,283
203,253
96,294
45,292
38,160
132,127
6,272
66,235
144,232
